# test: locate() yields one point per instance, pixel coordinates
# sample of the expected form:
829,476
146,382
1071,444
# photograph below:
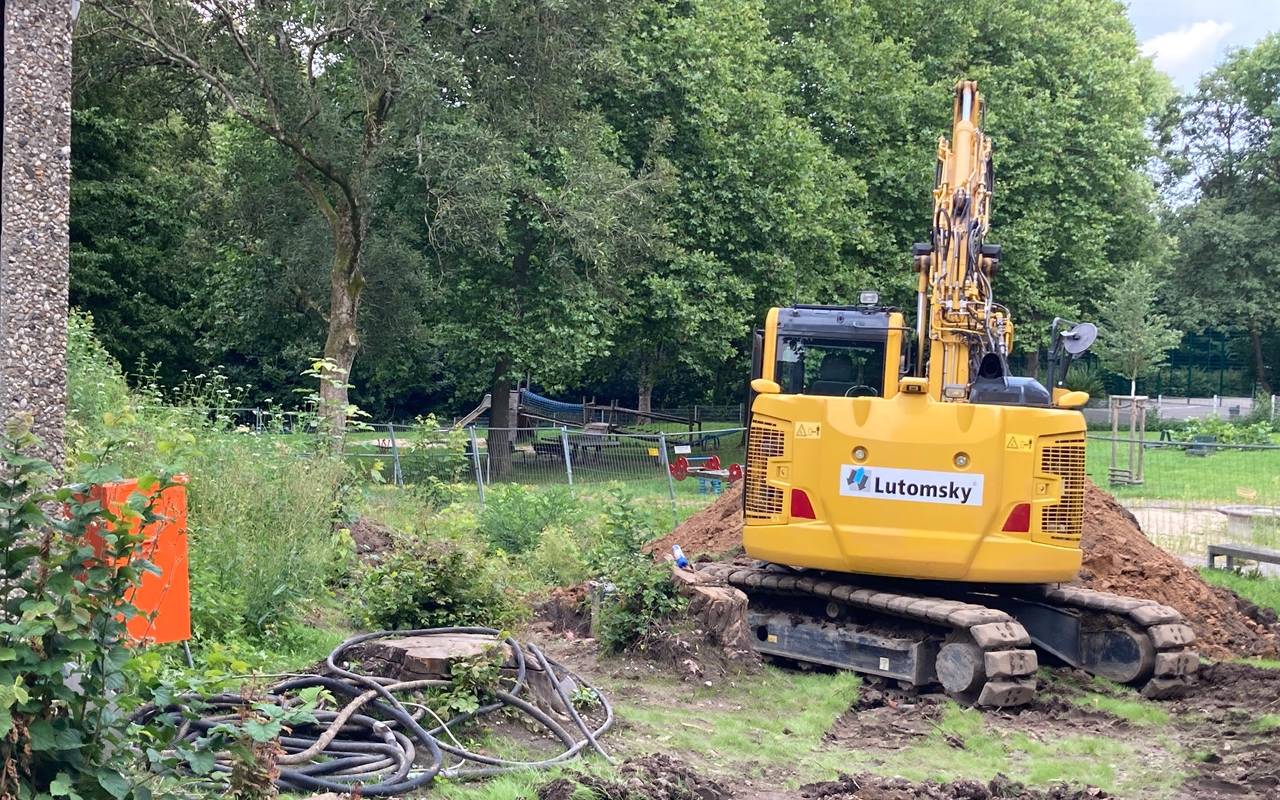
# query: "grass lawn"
1224,476
1257,589
772,730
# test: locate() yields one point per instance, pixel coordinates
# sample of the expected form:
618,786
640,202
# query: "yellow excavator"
915,511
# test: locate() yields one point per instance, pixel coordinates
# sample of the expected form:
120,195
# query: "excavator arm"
957,319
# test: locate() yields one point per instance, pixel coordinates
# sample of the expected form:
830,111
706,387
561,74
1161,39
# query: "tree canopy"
596,197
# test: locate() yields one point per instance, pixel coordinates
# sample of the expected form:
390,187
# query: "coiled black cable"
373,741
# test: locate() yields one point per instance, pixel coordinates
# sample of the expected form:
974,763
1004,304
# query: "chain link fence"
682,470
1191,494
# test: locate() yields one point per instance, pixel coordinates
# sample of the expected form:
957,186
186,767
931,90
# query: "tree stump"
721,611
413,658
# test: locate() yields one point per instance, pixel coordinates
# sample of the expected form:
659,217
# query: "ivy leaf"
200,761
61,785
262,731
114,783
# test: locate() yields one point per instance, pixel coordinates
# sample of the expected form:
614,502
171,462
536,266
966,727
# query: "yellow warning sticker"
653,451
808,430
1018,442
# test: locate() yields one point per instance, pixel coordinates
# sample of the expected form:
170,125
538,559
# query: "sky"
1188,37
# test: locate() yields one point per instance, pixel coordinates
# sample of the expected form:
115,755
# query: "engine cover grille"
1064,519
765,441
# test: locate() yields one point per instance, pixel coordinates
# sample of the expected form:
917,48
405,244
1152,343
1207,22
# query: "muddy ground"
1209,745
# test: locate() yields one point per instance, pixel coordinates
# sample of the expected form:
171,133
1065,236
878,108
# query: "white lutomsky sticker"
912,485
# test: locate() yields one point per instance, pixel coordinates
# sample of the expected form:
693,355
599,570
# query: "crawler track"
984,650
984,660
1161,633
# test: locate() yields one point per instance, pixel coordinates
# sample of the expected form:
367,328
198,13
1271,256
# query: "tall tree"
532,212
327,81
1224,157
1134,336
1069,96
760,211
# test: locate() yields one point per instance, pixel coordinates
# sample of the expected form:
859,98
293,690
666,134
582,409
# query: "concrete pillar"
35,180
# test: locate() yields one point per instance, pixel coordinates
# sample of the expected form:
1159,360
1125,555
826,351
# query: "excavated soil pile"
372,539
566,610
876,787
1119,558
716,530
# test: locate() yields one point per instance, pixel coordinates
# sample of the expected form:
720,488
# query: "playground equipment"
535,408
707,470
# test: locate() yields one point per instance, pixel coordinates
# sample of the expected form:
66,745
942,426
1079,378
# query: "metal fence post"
1273,408
396,476
666,467
568,462
475,462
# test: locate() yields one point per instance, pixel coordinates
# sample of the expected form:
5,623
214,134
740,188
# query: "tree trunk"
342,341
346,282
1259,362
644,394
500,422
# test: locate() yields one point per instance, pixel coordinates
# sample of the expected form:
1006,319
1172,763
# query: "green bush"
430,453
1227,432
437,582
641,596
1084,376
559,559
261,508
515,516
63,644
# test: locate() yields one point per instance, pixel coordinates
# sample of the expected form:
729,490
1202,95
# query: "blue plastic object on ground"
681,561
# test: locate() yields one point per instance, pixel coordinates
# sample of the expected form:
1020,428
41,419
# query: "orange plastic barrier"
164,544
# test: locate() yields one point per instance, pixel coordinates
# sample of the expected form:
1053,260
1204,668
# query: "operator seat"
835,375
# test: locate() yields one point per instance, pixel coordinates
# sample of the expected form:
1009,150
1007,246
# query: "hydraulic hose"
372,743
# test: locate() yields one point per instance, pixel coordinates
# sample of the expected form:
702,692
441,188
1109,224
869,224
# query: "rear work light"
1019,520
801,508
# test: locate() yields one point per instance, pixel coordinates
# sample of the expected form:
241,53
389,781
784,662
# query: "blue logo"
858,478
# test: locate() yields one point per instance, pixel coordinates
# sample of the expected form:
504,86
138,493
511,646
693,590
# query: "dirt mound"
716,530
566,609
372,539
1119,558
652,777
876,787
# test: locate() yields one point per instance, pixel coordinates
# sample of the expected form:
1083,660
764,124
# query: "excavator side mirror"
765,386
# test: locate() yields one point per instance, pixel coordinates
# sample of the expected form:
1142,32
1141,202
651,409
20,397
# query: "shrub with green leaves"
640,595
437,582
1227,432
432,453
515,516
262,508
64,693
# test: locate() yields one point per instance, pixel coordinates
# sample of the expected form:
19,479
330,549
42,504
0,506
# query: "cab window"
830,367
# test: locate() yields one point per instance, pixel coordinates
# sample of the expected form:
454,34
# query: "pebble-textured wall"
34,196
